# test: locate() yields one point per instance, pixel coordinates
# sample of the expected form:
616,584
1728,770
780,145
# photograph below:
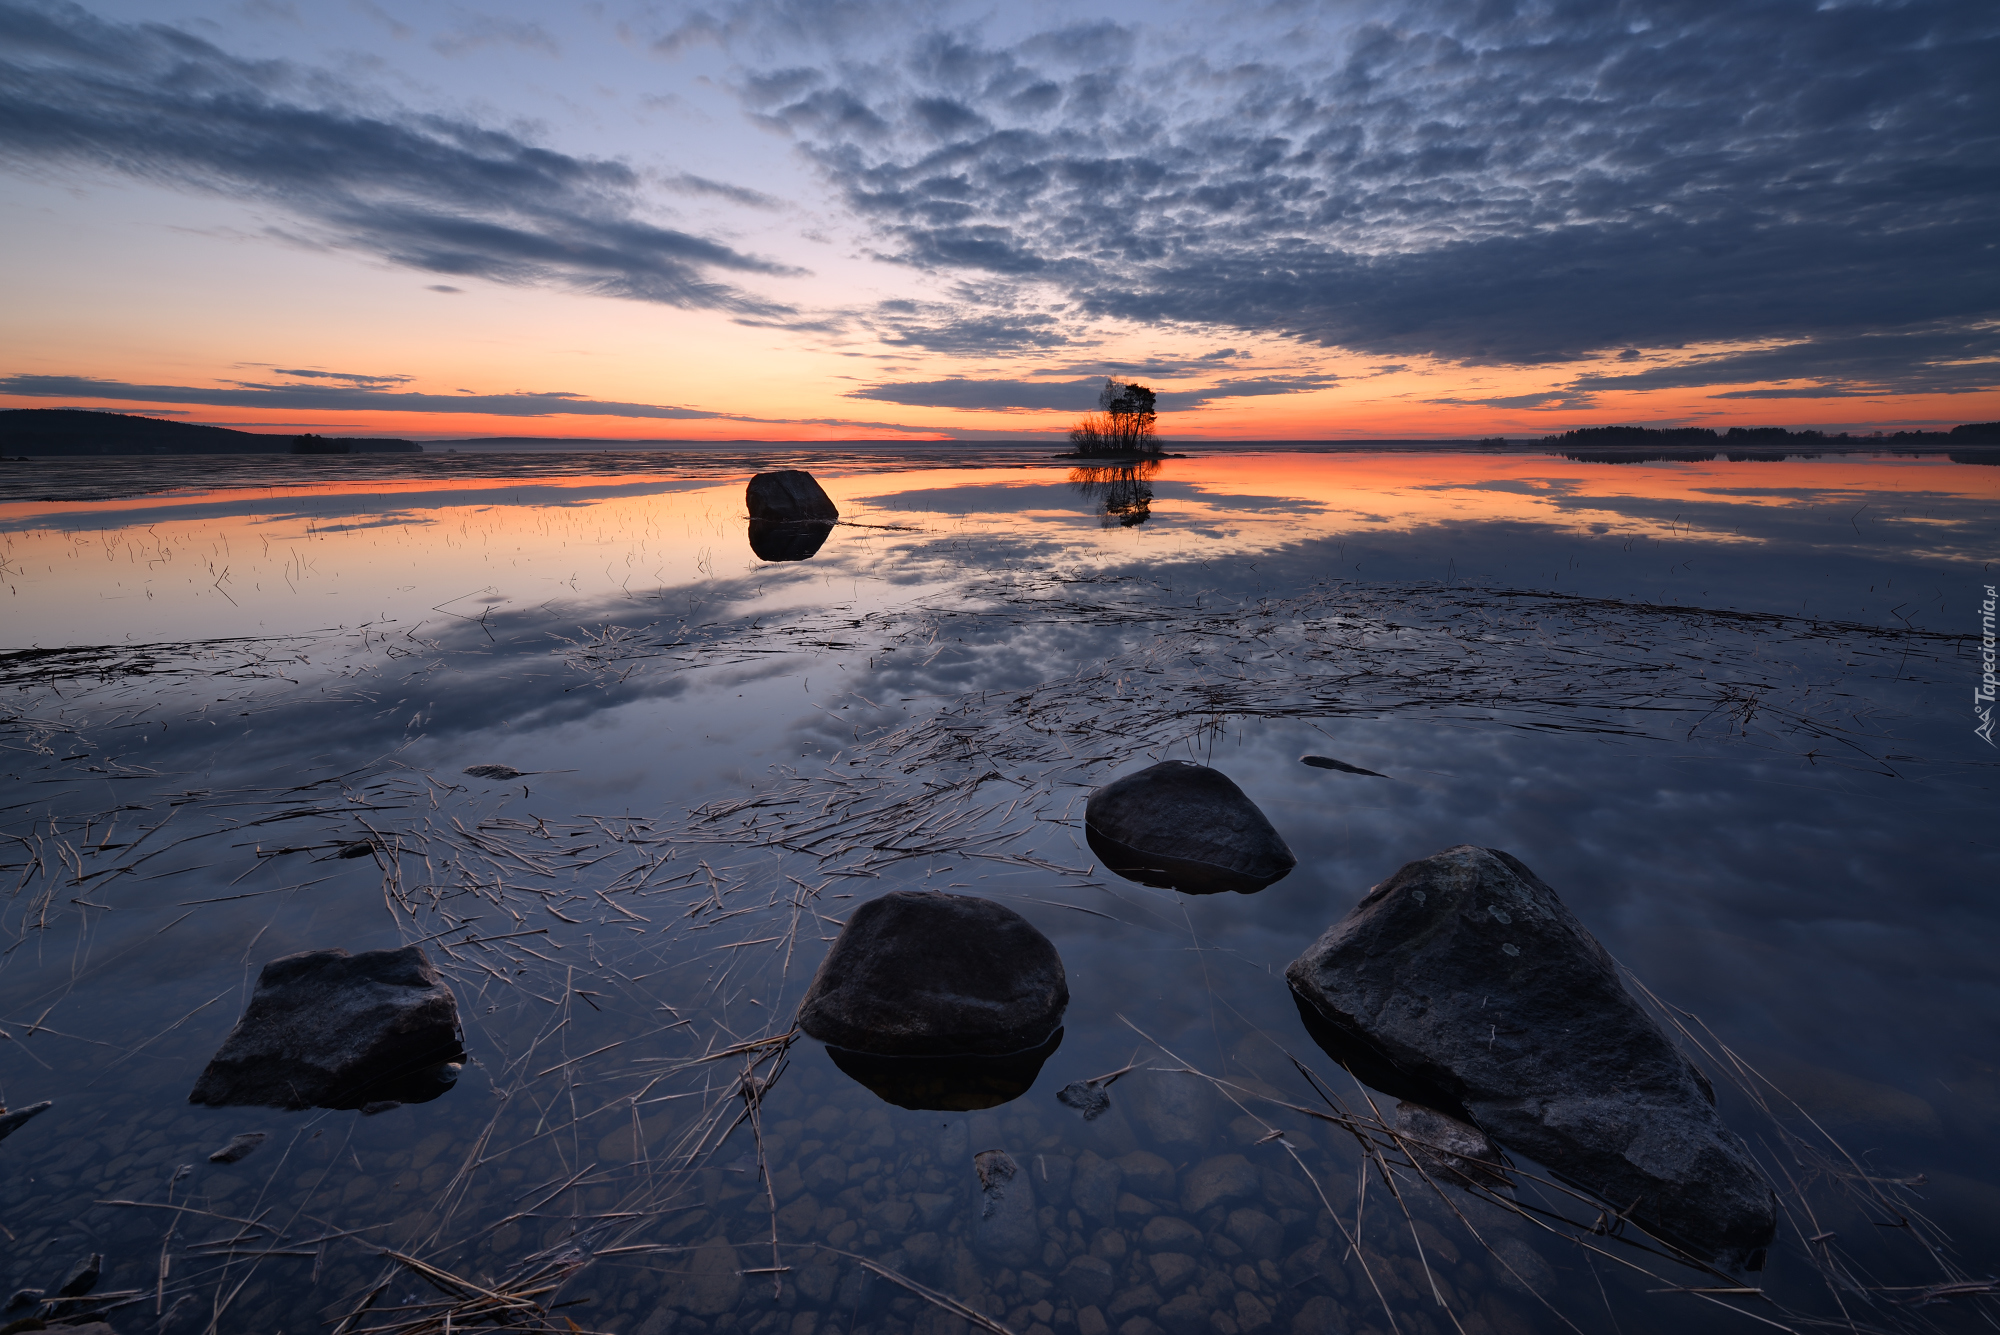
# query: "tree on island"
1123,425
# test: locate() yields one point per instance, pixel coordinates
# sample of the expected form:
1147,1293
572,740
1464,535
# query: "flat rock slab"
1182,826
916,973
326,1029
1465,974
789,495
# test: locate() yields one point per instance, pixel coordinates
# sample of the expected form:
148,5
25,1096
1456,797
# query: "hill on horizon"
85,431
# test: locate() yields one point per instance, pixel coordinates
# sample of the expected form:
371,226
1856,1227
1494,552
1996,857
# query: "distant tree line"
1971,433
1123,424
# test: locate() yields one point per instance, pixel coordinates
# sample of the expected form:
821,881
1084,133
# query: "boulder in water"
789,495
326,1029
1466,979
917,973
1183,826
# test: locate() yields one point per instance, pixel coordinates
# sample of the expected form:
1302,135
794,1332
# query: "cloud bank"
431,193
361,397
1487,184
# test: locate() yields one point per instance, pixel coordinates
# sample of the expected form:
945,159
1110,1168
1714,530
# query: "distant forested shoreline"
81,431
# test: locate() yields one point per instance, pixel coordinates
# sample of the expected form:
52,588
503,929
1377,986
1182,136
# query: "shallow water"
1724,708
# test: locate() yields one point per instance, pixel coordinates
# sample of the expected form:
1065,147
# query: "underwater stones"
775,540
1178,1111
239,1147
1087,1281
82,1277
1456,1151
1183,826
1219,1181
1006,1229
10,1122
789,495
713,1283
1095,1187
1465,975
1261,1236
1169,1234
326,1029
922,974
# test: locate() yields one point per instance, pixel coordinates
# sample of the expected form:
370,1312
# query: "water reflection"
946,1084
1124,489
775,540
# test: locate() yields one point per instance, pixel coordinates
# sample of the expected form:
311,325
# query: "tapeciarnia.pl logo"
1982,695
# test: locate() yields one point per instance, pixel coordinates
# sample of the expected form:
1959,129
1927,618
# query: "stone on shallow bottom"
1465,979
916,973
789,495
1006,1229
10,1122
326,1029
239,1147
1453,1150
1183,826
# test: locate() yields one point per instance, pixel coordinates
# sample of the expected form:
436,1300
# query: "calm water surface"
1724,708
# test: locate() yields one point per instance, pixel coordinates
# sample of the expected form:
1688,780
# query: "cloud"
432,193
1068,395
338,398
474,31
1486,184
689,183
351,377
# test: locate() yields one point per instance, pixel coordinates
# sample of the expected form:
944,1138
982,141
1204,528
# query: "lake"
1725,707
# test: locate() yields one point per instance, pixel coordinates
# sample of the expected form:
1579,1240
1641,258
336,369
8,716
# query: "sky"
842,219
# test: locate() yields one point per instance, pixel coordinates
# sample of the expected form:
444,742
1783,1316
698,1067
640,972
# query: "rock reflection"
1124,489
946,1084
776,540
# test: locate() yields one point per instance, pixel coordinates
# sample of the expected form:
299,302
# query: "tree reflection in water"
1124,489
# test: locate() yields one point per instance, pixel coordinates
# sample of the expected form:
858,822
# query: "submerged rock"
1007,1229
326,1029
1328,762
495,772
10,1122
239,1147
1448,1147
1183,826
776,540
922,974
789,495
946,1084
82,1277
1465,978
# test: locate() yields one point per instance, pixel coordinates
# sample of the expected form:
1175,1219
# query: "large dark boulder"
789,495
1466,978
1183,826
326,1029
916,973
